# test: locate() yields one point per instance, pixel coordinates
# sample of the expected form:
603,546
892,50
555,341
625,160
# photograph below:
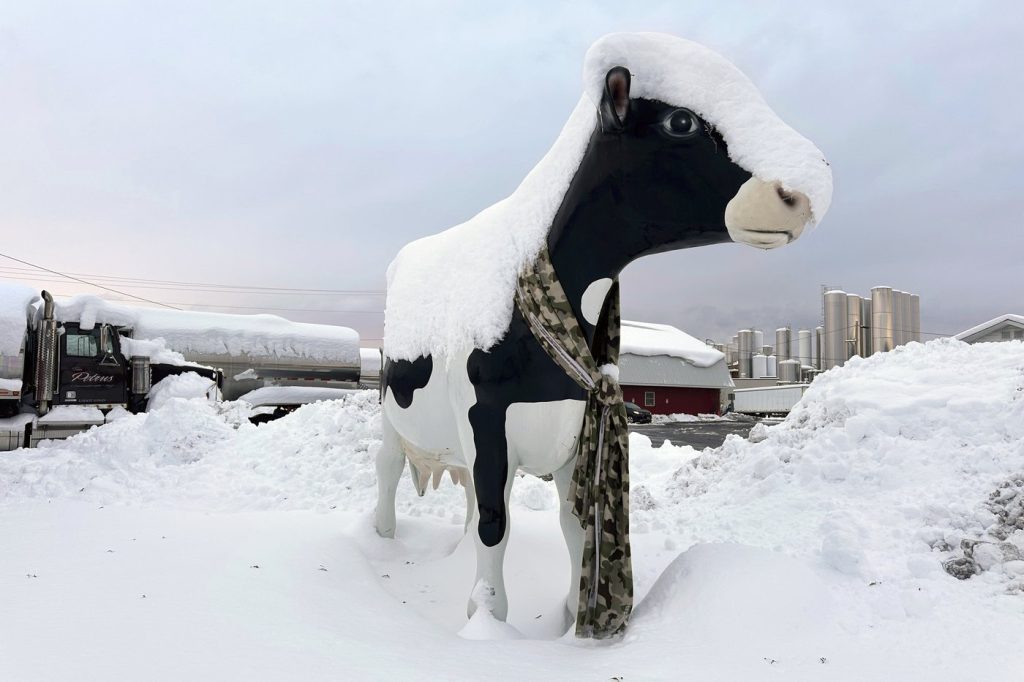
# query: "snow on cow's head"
693,89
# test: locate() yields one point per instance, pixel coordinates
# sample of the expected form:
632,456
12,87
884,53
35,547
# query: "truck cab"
90,367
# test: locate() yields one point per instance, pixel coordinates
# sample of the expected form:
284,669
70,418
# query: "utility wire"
92,284
208,286
252,307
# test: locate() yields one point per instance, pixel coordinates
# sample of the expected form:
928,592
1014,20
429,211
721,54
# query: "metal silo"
803,345
853,324
834,351
915,317
865,327
906,314
746,347
758,340
789,371
759,366
773,366
899,322
881,319
783,341
819,338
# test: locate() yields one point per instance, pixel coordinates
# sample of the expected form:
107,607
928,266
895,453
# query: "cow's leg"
390,462
573,533
492,473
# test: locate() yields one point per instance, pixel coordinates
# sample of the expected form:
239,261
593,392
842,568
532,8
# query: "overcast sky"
301,144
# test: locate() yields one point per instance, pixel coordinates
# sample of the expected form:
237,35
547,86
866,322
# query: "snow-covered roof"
15,300
209,334
452,292
1009,317
649,339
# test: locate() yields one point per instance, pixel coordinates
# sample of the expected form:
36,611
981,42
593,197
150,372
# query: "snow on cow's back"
452,292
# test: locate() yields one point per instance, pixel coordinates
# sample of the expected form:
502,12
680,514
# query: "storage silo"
899,322
881,319
819,337
803,344
834,351
915,318
906,314
783,340
853,324
746,347
758,339
789,371
773,366
759,366
865,327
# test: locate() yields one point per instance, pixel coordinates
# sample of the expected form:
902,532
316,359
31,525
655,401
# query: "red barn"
667,371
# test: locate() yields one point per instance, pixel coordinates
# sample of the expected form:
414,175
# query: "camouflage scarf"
600,482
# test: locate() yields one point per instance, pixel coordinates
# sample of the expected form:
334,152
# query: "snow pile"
369,363
184,385
200,333
15,302
452,292
648,339
887,469
293,395
72,414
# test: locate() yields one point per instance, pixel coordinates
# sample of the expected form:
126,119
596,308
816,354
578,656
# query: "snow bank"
154,349
647,339
72,414
15,300
201,333
452,292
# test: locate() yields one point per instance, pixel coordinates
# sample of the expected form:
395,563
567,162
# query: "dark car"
637,414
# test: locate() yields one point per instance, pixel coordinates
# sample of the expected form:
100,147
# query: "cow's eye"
681,123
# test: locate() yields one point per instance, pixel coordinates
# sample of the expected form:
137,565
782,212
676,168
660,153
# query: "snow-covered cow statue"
670,147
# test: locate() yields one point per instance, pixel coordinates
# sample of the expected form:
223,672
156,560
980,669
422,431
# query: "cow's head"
692,151
678,184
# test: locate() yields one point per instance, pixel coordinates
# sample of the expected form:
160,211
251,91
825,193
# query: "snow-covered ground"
189,544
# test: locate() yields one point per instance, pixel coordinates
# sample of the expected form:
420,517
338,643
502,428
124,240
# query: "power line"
143,283
92,284
253,307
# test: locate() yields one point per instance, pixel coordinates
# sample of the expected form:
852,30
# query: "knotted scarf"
600,482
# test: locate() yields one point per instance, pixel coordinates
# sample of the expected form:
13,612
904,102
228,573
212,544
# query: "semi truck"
67,365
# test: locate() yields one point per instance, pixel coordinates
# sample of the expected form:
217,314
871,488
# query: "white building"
1003,328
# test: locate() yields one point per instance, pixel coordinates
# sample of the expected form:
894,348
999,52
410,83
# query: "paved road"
699,435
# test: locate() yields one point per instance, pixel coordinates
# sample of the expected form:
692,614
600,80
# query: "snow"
15,302
10,385
154,349
1009,317
202,333
648,339
184,385
293,395
72,414
187,543
369,362
452,292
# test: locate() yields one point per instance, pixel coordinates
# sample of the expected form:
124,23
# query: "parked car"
637,414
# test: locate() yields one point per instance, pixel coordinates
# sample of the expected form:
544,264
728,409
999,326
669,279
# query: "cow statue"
670,147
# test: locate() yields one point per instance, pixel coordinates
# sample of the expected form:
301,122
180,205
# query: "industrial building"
667,371
1007,327
851,325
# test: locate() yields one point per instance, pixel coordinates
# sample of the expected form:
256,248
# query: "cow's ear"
615,101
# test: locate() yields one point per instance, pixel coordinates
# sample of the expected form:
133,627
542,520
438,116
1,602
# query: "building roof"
665,370
969,334
646,338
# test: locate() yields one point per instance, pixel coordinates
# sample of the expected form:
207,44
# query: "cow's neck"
587,245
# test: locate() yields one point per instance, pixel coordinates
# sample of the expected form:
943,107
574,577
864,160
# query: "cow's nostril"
788,198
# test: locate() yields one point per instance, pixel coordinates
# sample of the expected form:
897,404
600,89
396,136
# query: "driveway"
699,435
